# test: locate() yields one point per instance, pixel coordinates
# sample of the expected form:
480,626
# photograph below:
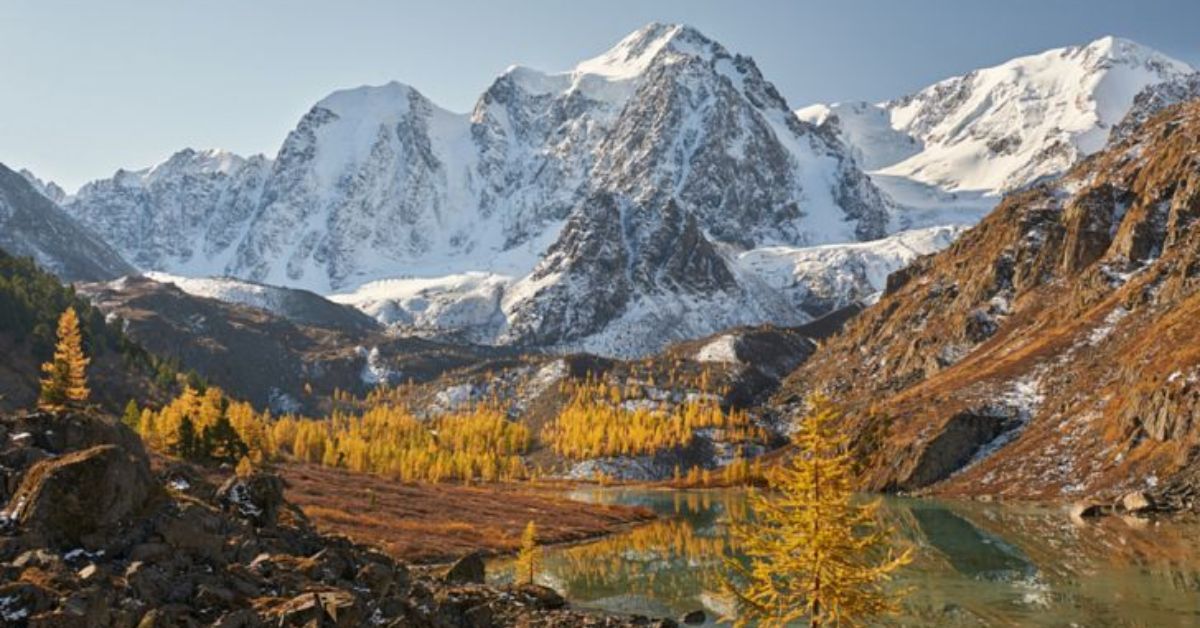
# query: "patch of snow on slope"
835,275
1097,335
375,370
468,301
226,289
721,349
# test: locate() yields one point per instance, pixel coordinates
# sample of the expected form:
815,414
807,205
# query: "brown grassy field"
425,523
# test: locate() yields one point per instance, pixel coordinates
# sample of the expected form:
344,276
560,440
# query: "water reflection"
975,564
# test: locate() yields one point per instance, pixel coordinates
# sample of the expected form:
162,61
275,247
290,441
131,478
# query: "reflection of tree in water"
674,558
663,559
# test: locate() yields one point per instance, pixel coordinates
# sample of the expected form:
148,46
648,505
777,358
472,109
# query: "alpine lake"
974,563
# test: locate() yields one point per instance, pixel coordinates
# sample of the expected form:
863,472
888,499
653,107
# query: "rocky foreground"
90,536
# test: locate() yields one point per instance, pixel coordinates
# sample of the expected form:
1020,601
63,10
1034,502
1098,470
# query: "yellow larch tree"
529,560
64,381
809,549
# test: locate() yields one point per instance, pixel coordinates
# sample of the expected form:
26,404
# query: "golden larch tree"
64,381
810,549
529,560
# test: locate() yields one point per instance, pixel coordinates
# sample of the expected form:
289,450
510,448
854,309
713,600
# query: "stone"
36,558
321,608
256,498
469,569
68,500
540,597
241,618
149,552
24,599
194,531
92,573
1136,502
147,582
694,618
211,596
329,565
376,577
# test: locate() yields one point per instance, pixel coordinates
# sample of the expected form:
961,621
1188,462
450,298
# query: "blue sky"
89,86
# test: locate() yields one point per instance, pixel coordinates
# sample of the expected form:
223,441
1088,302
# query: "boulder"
469,569
195,531
62,432
256,498
540,597
72,500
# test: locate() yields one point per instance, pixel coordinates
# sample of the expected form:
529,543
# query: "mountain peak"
1110,49
631,56
211,160
371,101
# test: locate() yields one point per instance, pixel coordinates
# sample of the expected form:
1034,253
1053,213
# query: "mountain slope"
283,350
31,301
32,225
1047,352
996,129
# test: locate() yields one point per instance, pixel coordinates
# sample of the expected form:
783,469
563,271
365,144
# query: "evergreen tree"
811,550
187,442
529,561
221,442
65,380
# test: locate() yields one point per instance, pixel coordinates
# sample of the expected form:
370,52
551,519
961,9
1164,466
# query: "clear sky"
89,86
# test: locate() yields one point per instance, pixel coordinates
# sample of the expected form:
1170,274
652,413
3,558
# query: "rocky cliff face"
1043,354
32,225
184,214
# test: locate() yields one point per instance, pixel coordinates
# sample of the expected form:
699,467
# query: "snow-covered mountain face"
32,225
621,189
185,214
973,137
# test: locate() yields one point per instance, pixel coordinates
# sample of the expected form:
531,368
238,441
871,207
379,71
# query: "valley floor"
423,523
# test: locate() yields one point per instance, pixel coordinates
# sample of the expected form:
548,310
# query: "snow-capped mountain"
32,225
976,136
185,214
637,175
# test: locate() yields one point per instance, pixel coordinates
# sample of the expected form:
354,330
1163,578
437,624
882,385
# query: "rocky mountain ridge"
33,225
1043,354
